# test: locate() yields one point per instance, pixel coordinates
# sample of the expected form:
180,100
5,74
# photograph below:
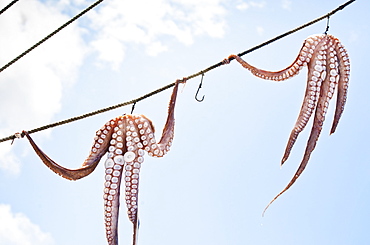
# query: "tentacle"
113,174
169,127
101,143
344,70
146,129
326,93
316,74
134,157
146,132
303,58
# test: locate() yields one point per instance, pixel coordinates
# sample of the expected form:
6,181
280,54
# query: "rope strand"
50,35
8,6
12,137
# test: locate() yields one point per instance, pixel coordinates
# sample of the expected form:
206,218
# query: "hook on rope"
200,86
327,26
133,107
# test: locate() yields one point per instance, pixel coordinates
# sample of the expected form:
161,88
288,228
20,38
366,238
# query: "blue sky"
224,166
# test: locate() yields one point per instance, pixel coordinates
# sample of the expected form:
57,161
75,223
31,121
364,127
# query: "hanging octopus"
328,67
125,139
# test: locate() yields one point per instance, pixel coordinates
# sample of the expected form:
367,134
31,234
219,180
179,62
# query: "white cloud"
155,48
110,50
241,5
31,89
258,4
17,229
149,22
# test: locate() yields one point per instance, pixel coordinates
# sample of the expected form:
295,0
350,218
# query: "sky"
224,165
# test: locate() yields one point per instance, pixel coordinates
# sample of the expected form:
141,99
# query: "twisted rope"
50,35
8,6
17,135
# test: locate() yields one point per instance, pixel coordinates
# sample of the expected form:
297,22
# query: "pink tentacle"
302,59
113,175
344,71
326,93
316,74
150,145
100,145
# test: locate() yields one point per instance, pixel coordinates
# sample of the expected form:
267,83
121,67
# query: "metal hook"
327,26
200,86
133,107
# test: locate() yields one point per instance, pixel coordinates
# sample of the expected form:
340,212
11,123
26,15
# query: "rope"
17,135
50,35
8,6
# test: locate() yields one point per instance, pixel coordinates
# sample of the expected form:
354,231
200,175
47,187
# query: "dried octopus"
125,140
127,137
328,67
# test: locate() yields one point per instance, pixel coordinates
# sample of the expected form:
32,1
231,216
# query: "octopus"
125,139
328,68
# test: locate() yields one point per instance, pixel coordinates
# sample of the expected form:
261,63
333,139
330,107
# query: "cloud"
17,229
258,4
120,23
31,89
241,5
